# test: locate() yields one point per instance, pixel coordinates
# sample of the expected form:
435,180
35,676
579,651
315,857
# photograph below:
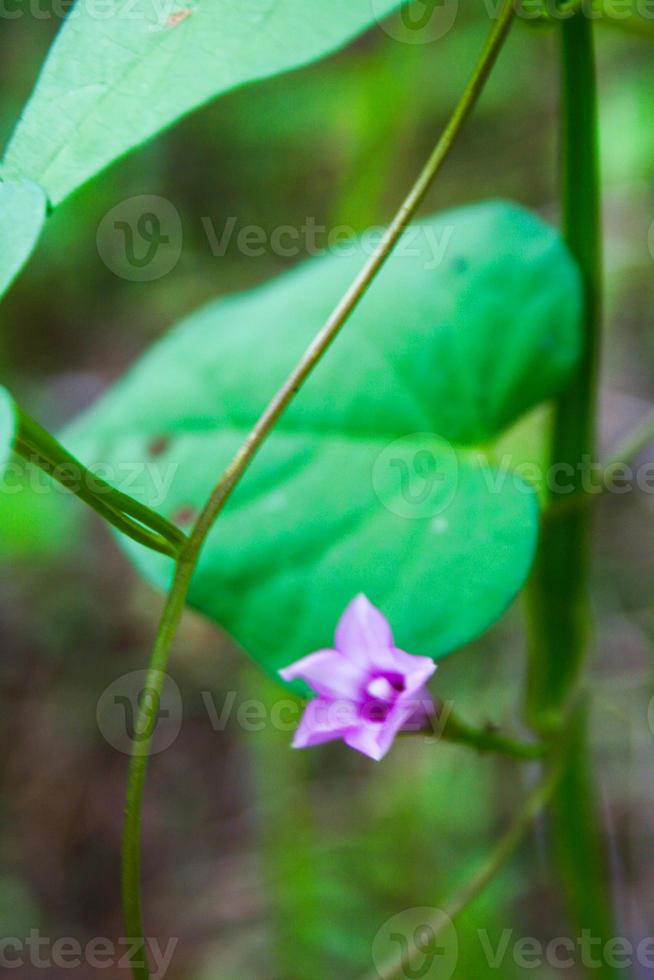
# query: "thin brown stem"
190,553
459,902
357,290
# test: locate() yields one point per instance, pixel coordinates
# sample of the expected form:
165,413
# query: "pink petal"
323,721
329,674
416,671
363,633
374,740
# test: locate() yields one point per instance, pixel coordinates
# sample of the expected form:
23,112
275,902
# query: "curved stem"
446,726
488,739
131,857
357,290
122,523
459,902
190,553
37,446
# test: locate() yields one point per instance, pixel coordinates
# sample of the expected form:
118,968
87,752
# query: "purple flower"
367,690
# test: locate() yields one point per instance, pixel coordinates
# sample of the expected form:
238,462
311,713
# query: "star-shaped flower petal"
367,689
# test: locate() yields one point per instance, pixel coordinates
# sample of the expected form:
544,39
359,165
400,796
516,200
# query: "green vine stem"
447,727
560,582
577,843
559,592
486,740
188,557
504,849
139,522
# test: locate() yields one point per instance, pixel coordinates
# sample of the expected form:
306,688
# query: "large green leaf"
22,214
378,478
120,72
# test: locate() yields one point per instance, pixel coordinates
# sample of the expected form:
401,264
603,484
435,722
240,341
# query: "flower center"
381,689
381,694
385,687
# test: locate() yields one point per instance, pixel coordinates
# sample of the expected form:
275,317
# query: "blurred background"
263,863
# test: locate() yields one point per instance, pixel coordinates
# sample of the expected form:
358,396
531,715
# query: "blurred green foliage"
346,844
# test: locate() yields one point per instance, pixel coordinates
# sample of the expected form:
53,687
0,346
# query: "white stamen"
381,688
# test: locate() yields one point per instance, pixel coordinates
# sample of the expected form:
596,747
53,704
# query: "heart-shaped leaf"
120,72
377,479
22,211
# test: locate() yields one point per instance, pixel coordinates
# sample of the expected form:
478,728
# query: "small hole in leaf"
178,16
185,515
158,446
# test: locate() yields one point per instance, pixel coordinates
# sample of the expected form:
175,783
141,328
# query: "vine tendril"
190,553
